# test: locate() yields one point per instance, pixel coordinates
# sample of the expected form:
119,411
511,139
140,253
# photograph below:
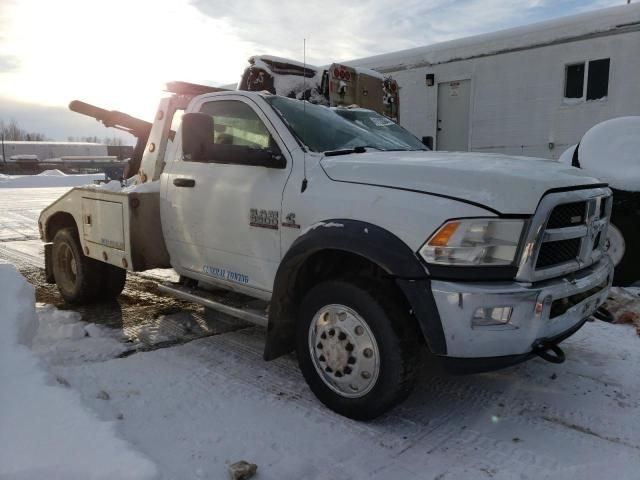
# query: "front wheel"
357,348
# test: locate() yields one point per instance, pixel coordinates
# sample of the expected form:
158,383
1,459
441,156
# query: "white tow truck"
355,248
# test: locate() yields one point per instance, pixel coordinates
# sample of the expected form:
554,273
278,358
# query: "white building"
531,90
48,150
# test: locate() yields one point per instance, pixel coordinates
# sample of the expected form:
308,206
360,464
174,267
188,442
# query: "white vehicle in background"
354,247
611,152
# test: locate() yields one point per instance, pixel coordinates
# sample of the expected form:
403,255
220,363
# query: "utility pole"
4,158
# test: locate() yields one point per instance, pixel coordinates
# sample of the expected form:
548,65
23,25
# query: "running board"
220,303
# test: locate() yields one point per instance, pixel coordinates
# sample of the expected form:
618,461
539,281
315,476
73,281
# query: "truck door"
222,220
453,116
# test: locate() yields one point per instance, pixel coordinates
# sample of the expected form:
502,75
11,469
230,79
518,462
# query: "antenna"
304,113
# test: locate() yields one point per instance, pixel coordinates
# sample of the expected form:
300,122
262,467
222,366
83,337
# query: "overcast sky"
119,53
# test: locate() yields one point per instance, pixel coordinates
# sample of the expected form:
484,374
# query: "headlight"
474,241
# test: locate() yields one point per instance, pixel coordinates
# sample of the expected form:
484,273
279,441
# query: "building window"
594,75
598,79
574,81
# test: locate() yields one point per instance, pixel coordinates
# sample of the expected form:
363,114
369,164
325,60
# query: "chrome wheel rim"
67,266
344,351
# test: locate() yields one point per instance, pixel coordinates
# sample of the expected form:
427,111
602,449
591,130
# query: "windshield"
323,130
381,125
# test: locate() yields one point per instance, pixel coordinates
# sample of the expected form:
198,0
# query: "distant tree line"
12,131
115,141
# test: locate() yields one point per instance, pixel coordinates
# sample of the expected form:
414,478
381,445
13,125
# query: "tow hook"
550,352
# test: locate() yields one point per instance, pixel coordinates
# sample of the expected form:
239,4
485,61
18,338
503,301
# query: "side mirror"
197,136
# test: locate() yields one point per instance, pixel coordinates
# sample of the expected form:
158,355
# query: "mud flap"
48,263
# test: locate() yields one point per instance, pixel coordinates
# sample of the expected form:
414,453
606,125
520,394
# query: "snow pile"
611,152
63,338
48,178
624,305
44,430
116,186
52,173
567,155
147,187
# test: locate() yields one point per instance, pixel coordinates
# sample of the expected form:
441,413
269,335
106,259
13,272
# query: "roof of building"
599,22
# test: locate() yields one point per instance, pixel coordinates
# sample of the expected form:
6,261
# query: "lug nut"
351,360
359,330
365,375
368,353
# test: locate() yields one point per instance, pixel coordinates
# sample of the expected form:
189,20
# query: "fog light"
485,317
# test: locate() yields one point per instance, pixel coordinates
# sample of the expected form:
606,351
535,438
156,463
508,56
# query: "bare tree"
12,131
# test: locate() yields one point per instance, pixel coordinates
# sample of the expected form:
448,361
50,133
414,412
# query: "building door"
453,116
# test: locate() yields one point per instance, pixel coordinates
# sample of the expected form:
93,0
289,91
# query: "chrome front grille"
560,251
567,233
568,215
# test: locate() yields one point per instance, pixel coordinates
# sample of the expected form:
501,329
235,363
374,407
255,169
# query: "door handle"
184,182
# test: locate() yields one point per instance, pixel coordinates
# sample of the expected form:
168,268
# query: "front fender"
366,240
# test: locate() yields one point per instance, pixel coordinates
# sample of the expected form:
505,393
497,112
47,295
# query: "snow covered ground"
48,178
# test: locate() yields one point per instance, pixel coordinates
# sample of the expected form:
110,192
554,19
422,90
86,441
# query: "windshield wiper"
347,151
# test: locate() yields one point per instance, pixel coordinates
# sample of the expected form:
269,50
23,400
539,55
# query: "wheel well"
338,264
319,267
333,264
57,222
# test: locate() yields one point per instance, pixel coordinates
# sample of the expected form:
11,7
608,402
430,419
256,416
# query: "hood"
509,185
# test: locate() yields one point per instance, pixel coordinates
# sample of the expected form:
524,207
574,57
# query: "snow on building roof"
621,18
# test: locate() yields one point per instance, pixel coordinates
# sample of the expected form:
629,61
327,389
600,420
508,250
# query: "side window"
598,79
594,75
235,123
574,81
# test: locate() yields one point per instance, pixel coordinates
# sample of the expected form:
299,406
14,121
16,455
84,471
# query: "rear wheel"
77,276
112,281
357,348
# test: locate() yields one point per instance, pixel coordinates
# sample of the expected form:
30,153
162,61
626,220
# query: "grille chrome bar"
591,233
555,234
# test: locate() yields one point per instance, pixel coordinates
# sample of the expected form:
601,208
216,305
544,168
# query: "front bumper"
541,311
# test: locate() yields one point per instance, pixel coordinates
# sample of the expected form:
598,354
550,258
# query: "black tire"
396,335
112,282
626,271
77,276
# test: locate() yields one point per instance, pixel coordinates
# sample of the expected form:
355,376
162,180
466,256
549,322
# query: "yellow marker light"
441,239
